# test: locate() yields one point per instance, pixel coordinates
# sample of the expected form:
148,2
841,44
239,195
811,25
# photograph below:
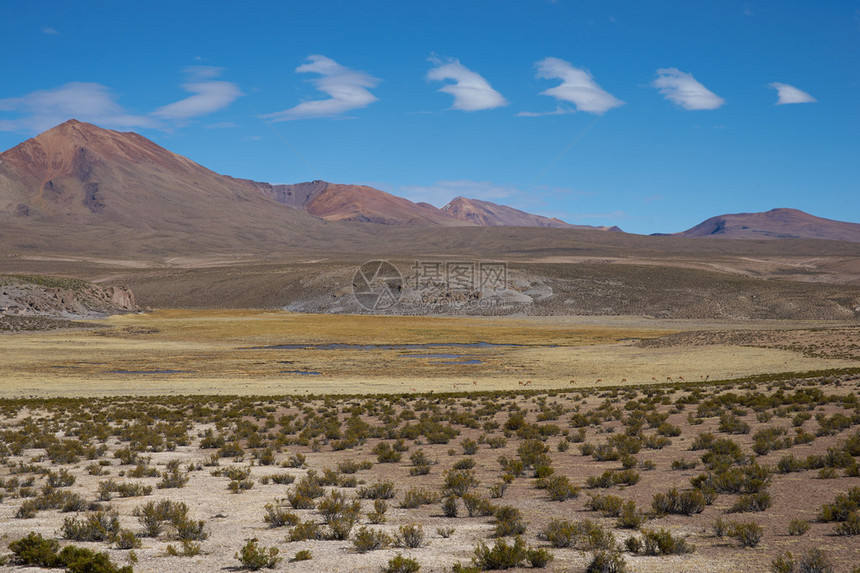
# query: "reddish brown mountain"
82,175
487,214
358,203
775,224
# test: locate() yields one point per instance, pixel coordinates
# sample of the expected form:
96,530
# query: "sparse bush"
416,497
607,562
126,539
560,533
366,539
798,527
748,534
559,488
277,516
378,490
411,535
305,530
459,482
499,556
751,502
686,502
253,556
303,555
97,526
538,558
814,561
401,564
662,542
509,521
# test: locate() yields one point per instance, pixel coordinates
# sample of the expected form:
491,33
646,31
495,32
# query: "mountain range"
80,185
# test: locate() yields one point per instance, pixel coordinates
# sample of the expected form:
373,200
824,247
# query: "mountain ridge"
779,223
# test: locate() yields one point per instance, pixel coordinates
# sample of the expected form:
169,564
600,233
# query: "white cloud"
682,89
577,87
348,90
90,102
209,95
50,31
470,90
790,94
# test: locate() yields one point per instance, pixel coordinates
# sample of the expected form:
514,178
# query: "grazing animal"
623,380
654,378
520,382
599,380
682,378
474,382
668,378
573,381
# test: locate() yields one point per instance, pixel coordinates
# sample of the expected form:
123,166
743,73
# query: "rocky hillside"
41,296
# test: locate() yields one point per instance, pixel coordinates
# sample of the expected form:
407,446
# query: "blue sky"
647,115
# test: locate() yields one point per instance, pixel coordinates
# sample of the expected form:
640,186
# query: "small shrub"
253,556
748,534
35,550
445,532
559,488
499,556
379,490
607,562
366,539
798,527
401,564
305,530
303,555
509,521
277,516
630,518
416,497
751,502
411,536
662,542
814,561
538,558
851,525
126,539
560,533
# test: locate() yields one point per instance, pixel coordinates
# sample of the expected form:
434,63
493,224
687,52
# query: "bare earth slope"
775,224
488,214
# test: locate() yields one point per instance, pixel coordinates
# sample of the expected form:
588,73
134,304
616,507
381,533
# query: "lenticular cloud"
682,89
577,87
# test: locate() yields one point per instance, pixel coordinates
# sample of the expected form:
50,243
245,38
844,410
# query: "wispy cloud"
559,110
470,90
682,89
577,87
91,102
790,94
209,95
50,31
348,90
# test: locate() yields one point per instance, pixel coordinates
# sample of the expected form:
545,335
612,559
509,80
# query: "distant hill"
487,214
775,224
358,203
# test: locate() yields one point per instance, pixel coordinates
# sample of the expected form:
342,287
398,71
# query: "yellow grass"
216,351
